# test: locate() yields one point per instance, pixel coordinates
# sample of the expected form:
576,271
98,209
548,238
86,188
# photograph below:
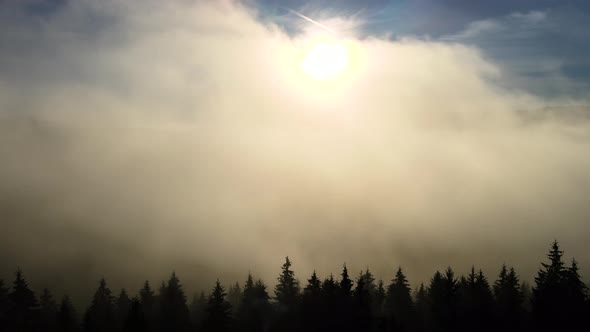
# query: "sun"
325,60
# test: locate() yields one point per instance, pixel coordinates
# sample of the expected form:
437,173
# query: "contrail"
310,20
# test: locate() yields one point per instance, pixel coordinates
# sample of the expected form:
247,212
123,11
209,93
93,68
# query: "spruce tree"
67,317
249,317
122,307
218,311
576,296
334,304
475,302
379,299
101,313
443,300
361,304
198,309
345,283
135,320
311,305
4,304
399,305
234,297
422,309
508,299
550,292
24,309
174,313
287,288
48,311
147,301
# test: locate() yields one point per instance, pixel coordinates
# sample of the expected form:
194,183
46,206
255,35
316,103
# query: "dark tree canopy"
558,301
287,288
218,317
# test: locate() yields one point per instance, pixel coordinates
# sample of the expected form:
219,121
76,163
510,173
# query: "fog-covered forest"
557,301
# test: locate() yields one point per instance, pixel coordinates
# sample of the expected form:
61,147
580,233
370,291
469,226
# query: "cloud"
534,48
138,139
534,16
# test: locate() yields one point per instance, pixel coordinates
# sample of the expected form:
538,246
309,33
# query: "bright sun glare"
325,60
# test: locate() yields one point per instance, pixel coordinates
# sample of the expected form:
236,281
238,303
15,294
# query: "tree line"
558,301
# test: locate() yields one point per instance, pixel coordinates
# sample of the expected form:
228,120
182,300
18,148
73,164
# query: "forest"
557,301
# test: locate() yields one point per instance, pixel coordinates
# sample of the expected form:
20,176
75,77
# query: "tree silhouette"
287,288
475,302
558,302
135,320
443,300
101,314
361,304
218,311
508,299
342,315
24,310
67,318
422,309
174,314
147,301
287,299
4,304
399,305
234,297
122,307
345,283
379,299
198,309
48,310
549,292
312,304
576,295
253,309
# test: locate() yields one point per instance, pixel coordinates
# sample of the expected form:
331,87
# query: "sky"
138,138
542,43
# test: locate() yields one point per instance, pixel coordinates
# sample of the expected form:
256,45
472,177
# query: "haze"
140,139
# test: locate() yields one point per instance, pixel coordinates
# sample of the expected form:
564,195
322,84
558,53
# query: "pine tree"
218,311
311,305
100,316
24,308
399,304
198,309
443,300
576,296
287,288
369,280
174,315
147,301
508,299
4,304
254,311
122,307
234,297
67,318
549,293
48,310
340,316
379,299
422,309
475,302
361,297
345,283
333,305
135,320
